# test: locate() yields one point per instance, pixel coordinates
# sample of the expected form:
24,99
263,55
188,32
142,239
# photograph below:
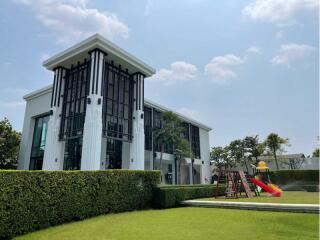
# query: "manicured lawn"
188,223
287,197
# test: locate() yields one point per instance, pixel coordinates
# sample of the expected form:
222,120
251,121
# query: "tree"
275,143
253,148
181,152
9,145
169,133
220,157
237,152
316,152
294,163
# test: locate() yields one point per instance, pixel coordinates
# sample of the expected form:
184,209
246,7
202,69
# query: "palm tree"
182,151
275,143
169,133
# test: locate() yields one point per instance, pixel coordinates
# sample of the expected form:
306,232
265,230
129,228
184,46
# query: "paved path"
277,207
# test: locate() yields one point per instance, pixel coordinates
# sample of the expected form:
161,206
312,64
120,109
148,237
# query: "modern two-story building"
94,116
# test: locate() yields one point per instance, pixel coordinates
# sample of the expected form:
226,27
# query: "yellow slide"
274,187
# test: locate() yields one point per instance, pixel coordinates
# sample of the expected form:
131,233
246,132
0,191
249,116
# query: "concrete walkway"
276,207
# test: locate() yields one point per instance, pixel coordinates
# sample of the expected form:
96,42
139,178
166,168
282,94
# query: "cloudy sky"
242,67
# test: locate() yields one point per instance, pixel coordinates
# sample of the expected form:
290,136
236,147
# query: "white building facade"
94,116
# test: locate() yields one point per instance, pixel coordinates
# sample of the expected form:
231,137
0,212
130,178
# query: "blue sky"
241,67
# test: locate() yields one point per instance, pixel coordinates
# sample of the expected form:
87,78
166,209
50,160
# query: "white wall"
205,156
34,107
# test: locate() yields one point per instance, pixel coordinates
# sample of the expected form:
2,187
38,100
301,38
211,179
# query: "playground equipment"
235,183
262,179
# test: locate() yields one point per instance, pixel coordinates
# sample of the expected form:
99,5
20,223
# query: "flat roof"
147,102
80,51
150,103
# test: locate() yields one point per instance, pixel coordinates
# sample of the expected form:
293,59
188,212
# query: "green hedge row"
296,180
166,197
31,200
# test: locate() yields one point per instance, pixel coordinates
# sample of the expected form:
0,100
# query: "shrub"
31,200
166,197
296,180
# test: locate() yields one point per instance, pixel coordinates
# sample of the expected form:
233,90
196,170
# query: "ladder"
230,180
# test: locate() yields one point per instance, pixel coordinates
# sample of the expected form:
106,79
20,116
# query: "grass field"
187,223
287,197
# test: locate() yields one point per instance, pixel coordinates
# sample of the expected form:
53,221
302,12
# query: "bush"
166,197
296,180
31,200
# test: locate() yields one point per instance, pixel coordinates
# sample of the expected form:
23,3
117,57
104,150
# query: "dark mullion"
54,84
88,74
56,87
93,63
76,99
131,89
123,95
81,84
139,96
142,97
59,93
118,103
113,86
98,70
135,93
64,104
103,93
105,96
70,104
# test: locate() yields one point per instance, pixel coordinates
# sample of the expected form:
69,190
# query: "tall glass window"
117,103
148,128
76,90
195,141
185,130
38,142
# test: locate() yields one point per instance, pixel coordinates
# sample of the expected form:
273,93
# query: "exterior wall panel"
34,107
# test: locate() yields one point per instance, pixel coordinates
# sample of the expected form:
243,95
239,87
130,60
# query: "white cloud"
221,68
279,34
148,7
179,71
290,53
188,112
281,12
72,20
254,49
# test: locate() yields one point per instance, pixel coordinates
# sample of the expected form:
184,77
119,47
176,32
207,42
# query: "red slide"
265,187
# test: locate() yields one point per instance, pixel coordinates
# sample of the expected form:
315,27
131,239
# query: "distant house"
287,161
291,161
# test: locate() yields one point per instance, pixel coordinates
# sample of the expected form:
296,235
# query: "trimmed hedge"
166,197
296,180
32,200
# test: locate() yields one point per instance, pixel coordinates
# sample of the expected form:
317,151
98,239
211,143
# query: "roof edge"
38,93
106,45
188,119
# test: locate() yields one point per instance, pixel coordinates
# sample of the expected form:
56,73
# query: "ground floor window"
38,142
72,154
114,154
